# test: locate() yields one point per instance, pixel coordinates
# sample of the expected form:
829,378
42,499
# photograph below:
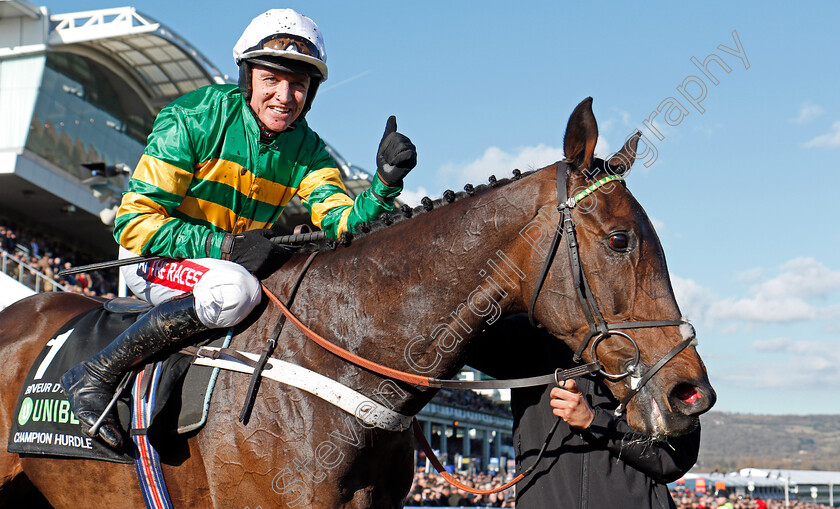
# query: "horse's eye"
619,241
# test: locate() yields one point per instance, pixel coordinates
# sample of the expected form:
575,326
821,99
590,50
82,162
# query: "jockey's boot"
90,386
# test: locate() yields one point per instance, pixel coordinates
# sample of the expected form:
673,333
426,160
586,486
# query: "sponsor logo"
181,275
46,410
60,439
25,411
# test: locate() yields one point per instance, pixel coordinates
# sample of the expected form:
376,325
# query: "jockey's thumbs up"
396,155
390,126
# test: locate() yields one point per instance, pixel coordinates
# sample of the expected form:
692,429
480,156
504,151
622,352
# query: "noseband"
599,329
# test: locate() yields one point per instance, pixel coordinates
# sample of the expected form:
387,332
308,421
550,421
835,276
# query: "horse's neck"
413,295
459,269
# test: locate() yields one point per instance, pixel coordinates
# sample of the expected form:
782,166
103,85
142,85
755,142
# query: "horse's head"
650,364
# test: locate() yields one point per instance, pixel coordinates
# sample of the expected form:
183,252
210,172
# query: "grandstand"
817,487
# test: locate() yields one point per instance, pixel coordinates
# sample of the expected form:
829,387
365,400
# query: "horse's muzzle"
691,397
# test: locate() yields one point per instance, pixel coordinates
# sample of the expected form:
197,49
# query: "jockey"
220,165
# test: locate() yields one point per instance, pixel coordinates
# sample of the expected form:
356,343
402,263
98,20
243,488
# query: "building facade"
78,88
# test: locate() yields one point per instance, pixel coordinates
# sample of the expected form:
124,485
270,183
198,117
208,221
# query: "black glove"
254,251
396,156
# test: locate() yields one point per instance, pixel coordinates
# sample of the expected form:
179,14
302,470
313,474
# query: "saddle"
43,423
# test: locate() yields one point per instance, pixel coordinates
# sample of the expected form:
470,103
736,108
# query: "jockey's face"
277,97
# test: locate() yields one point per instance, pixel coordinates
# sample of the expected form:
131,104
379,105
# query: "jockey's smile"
278,96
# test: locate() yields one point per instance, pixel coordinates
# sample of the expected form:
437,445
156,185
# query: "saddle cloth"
43,423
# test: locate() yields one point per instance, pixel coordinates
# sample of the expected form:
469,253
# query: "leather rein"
559,376
599,329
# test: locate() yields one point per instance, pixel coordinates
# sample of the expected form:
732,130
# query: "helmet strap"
245,80
266,134
310,96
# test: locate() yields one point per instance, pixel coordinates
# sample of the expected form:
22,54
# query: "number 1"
55,345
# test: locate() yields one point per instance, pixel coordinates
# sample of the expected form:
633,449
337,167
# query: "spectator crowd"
432,490
686,499
29,255
472,401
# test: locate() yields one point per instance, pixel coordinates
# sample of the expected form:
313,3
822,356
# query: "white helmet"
284,39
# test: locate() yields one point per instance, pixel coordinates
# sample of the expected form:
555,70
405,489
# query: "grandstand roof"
18,8
158,64
735,479
794,476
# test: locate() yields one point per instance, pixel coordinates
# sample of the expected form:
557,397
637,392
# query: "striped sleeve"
323,194
144,222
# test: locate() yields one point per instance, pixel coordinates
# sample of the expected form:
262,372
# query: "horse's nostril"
687,393
692,398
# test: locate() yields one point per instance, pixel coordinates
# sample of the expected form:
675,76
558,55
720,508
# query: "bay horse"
411,295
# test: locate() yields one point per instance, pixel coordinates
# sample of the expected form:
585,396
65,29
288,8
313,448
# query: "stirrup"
94,430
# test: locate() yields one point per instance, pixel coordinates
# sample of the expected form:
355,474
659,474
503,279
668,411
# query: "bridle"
599,329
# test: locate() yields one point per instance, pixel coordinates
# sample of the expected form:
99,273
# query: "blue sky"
743,195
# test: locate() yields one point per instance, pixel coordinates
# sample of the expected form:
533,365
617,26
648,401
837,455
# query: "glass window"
81,116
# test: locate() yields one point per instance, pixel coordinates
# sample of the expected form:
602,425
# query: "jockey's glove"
254,251
396,155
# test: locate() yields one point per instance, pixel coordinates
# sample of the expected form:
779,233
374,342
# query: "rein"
430,454
598,327
426,381
558,376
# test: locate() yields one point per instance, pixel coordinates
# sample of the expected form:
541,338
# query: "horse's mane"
406,213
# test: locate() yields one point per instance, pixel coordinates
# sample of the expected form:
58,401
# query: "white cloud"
496,161
619,118
806,365
413,197
830,140
694,299
807,111
602,148
793,295
751,277
761,309
801,277
772,345
799,292
658,225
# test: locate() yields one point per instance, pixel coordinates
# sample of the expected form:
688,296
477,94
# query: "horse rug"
43,423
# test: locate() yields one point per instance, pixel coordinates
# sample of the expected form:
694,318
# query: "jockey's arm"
323,194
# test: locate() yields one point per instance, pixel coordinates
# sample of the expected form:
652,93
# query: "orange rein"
418,434
344,354
404,377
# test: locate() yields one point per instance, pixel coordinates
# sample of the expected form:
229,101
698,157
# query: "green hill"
733,441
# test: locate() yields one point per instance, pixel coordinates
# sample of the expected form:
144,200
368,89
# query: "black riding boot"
90,385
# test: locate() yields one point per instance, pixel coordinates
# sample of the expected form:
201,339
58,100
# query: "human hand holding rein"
570,405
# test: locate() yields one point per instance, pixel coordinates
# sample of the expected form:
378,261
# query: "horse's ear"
581,135
621,161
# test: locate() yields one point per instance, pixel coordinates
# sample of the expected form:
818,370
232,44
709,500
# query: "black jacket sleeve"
662,460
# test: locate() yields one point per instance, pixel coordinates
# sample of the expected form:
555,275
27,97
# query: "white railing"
27,275
99,24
